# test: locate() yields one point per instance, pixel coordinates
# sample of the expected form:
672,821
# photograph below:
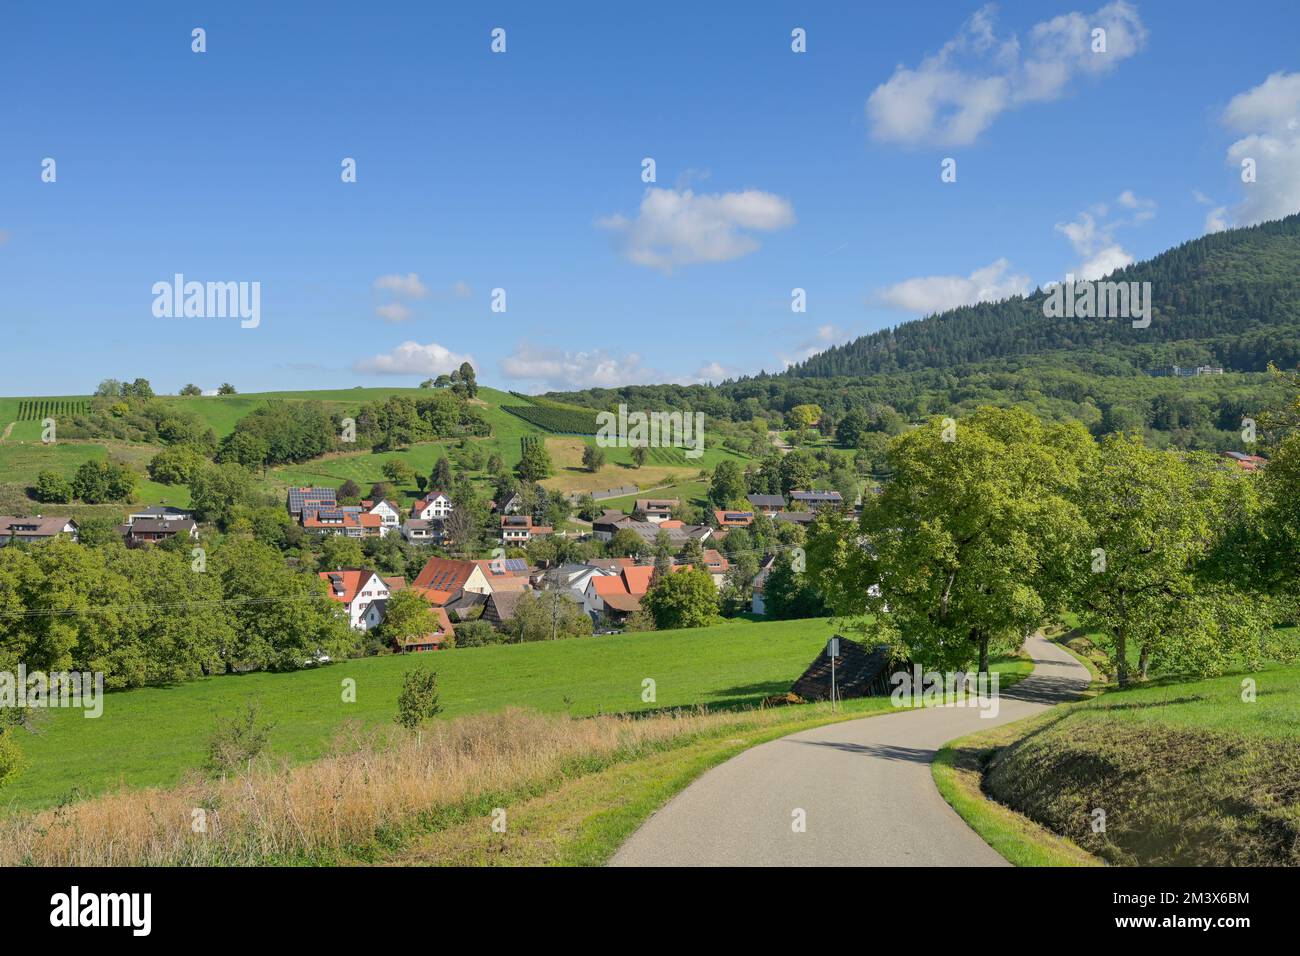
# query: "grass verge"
958,770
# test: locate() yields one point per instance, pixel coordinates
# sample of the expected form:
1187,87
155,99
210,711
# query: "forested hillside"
1235,294
1231,299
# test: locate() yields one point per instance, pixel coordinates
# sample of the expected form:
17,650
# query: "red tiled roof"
444,574
353,581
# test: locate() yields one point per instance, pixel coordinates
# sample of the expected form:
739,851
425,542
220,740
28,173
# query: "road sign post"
833,651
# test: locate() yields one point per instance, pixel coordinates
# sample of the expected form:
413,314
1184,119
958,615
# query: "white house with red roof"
390,517
364,594
436,504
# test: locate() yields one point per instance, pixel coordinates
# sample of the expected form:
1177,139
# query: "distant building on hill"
1185,371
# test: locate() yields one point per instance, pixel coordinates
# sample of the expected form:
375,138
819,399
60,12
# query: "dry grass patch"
374,792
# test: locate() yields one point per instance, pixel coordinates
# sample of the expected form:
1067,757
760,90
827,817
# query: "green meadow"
153,736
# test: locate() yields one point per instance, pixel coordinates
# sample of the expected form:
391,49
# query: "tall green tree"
682,599
1154,518
967,547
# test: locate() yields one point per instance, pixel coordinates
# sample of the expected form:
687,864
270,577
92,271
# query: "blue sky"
523,171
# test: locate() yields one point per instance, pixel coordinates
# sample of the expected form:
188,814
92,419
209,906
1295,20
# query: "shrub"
418,700
53,487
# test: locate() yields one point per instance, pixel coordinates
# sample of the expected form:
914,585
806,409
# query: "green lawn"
151,736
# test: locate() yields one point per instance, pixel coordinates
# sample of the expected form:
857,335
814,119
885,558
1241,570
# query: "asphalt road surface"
864,787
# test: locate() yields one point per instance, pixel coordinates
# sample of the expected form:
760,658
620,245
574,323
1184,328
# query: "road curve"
864,786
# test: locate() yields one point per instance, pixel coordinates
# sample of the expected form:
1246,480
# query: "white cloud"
678,227
823,337
412,358
957,93
1093,234
4,237
393,312
928,294
406,286
713,372
461,290
560,370
1104,262
1268,117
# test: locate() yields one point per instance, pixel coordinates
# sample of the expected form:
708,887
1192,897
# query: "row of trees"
990,526
164,614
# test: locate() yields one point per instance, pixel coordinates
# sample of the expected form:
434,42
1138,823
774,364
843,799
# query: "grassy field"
572,788
150,736
21,463
1187,773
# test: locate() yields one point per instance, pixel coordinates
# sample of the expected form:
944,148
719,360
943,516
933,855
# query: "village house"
1244,461
656,509
734,519
574,578
151,530
617,596
432,641
812,500
436,504
390,515
420,531
605,526
351,523
311,498
15,528
716,563
507,574
678,533
512,505
161,511
767,505
518,530
363,594
442,579
794,517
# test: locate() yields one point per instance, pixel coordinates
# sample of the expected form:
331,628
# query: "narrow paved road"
864,786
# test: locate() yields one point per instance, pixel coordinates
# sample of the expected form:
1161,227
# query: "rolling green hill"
510,415
1234,294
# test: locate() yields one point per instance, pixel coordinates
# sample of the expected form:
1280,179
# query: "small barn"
860,671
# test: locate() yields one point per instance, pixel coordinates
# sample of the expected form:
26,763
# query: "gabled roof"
333,519
766,501
656,504
300,498
346,583
444,628
734,519
715,560
795,517
824,496
612,564
504,567
38,527
444,574
162,511
162,525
